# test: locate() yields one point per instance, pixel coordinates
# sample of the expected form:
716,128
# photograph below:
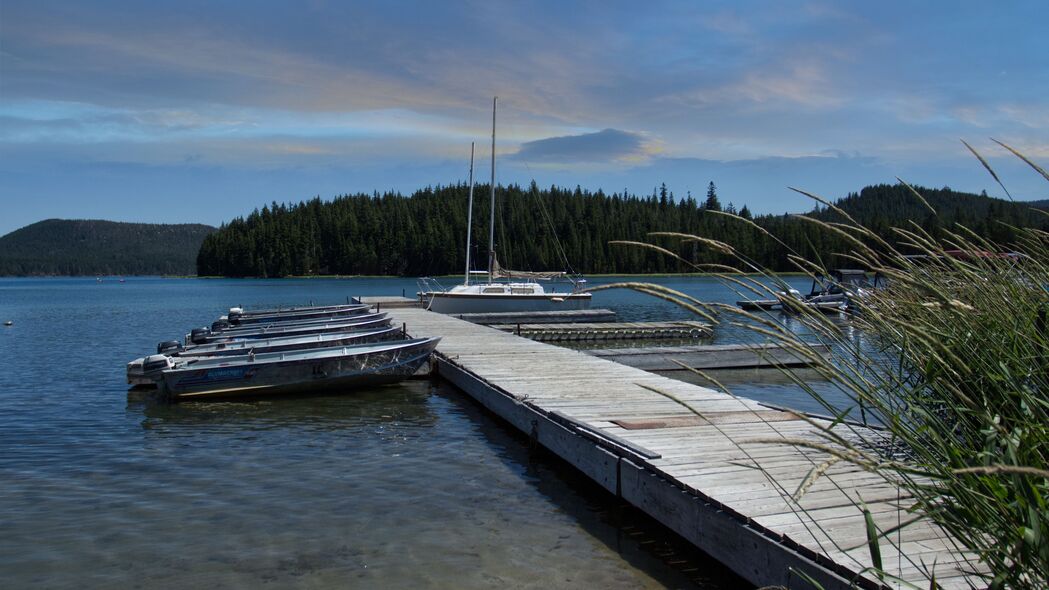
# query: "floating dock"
609,331
711,356
705,477
567,316
380,303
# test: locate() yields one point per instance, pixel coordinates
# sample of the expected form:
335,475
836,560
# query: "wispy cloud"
802,84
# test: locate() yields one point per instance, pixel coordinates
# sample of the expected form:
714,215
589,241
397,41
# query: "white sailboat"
504,290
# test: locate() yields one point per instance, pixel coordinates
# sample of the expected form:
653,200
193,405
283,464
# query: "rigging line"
550,223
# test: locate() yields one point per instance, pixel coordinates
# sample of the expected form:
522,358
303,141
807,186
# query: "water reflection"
403,403
633,536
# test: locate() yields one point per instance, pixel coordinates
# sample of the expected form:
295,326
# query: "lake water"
406,486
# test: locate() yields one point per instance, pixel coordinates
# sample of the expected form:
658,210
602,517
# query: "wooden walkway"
695,475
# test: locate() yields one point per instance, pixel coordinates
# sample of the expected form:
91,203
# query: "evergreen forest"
561,229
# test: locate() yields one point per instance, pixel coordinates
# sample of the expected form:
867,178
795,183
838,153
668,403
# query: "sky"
180,112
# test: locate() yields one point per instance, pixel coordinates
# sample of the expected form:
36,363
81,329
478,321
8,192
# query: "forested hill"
93,247
424,234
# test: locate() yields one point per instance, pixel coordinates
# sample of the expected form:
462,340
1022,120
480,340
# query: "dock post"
404,329
518,329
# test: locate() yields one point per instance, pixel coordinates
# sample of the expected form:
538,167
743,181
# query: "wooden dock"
609,331
567,316
697,476
709,356
388,302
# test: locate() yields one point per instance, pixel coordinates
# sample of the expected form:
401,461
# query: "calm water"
407,486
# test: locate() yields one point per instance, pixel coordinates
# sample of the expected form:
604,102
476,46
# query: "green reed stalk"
960,380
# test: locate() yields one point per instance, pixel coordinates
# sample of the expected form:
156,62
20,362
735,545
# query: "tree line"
562,229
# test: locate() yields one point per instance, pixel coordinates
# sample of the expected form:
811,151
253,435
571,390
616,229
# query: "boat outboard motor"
234,315
157,362
219,325
169,347
199,335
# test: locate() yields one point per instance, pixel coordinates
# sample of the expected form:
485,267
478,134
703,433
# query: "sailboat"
504,290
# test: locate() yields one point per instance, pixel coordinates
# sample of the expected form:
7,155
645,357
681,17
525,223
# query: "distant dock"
696,474
540,317
382,302
566,332
710,356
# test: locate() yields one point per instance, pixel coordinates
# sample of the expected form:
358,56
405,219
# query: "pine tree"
712,203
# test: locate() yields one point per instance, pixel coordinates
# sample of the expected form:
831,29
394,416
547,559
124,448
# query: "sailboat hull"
453,303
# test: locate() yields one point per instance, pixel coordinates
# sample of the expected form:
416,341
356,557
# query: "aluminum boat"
206,336
240,319
139,375
297,371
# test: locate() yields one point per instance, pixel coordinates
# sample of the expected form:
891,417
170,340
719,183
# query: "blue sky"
200,111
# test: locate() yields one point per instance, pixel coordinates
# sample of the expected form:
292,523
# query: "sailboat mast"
469,215
491,225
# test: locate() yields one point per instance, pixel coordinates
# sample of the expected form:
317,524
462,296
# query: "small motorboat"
139,376
298,371
759,304
832,294
294,309
206,335
239,319
226,328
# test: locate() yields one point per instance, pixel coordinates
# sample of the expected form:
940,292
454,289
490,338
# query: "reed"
959,378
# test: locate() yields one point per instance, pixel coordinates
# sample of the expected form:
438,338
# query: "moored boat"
205,335
290,309
297,371
240,319
520,292
503,297
759,304
835,293
147,370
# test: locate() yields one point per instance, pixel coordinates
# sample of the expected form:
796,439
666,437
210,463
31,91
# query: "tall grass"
959,379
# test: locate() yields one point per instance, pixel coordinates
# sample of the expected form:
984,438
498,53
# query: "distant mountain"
881,206
95,247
